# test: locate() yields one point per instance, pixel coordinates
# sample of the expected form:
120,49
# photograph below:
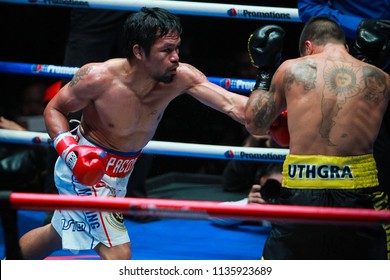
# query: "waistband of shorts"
119,164
329,172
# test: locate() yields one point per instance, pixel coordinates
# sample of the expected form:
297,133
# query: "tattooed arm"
263,107
73,97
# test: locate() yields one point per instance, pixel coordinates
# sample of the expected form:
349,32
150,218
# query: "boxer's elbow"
253,124
254,129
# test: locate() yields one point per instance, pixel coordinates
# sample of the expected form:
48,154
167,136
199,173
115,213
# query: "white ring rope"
233,11
166,148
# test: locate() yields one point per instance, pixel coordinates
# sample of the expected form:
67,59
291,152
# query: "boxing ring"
16,207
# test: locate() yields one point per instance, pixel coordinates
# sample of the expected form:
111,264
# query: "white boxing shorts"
83,230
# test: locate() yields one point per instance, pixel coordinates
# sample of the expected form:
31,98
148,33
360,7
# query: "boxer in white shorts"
83,230
122,102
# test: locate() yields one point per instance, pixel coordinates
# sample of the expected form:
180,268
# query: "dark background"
38,34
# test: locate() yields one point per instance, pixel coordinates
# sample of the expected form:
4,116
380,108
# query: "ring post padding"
232,11
4,199
9,219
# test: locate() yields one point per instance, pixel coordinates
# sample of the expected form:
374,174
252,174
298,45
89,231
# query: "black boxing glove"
372,44
265,52
380,25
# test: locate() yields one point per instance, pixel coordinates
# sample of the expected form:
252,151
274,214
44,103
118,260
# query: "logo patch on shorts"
116,221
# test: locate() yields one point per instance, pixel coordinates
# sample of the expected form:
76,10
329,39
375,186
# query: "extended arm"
214,96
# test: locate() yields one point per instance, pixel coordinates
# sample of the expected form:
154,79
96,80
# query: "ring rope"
165,148
233,11
193,209
232,84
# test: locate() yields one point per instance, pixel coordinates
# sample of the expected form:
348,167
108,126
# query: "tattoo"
263,108
79,75
374,85
340,85
198,73
303,73
341,81
329,112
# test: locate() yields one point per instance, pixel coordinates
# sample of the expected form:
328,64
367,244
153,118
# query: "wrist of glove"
87,163
264,78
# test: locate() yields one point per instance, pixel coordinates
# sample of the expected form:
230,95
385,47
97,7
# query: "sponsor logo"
232,12
52,69
36,140
225,83
260,156
324,171
260,15
229,154
71,160
36,68
237,84
73,225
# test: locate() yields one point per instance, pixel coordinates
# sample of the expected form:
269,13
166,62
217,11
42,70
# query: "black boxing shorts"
333,182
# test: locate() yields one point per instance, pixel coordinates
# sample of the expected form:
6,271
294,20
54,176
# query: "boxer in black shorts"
335,106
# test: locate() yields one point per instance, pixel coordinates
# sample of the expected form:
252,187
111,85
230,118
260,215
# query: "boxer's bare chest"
125,120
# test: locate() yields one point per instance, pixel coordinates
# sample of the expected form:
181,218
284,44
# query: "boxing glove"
379,25
265,52
87,163
372,44
279,130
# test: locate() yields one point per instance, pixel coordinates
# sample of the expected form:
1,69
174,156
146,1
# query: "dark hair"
268,170
146,26
321,30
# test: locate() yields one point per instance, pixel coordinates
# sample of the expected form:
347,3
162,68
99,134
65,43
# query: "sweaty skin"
123,101
329,96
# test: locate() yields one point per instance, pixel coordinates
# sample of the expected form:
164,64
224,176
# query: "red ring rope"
198,209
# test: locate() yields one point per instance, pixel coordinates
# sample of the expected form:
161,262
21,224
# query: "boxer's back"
335,104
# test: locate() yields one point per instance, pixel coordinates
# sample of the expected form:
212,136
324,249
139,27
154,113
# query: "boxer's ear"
137,50
308,48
